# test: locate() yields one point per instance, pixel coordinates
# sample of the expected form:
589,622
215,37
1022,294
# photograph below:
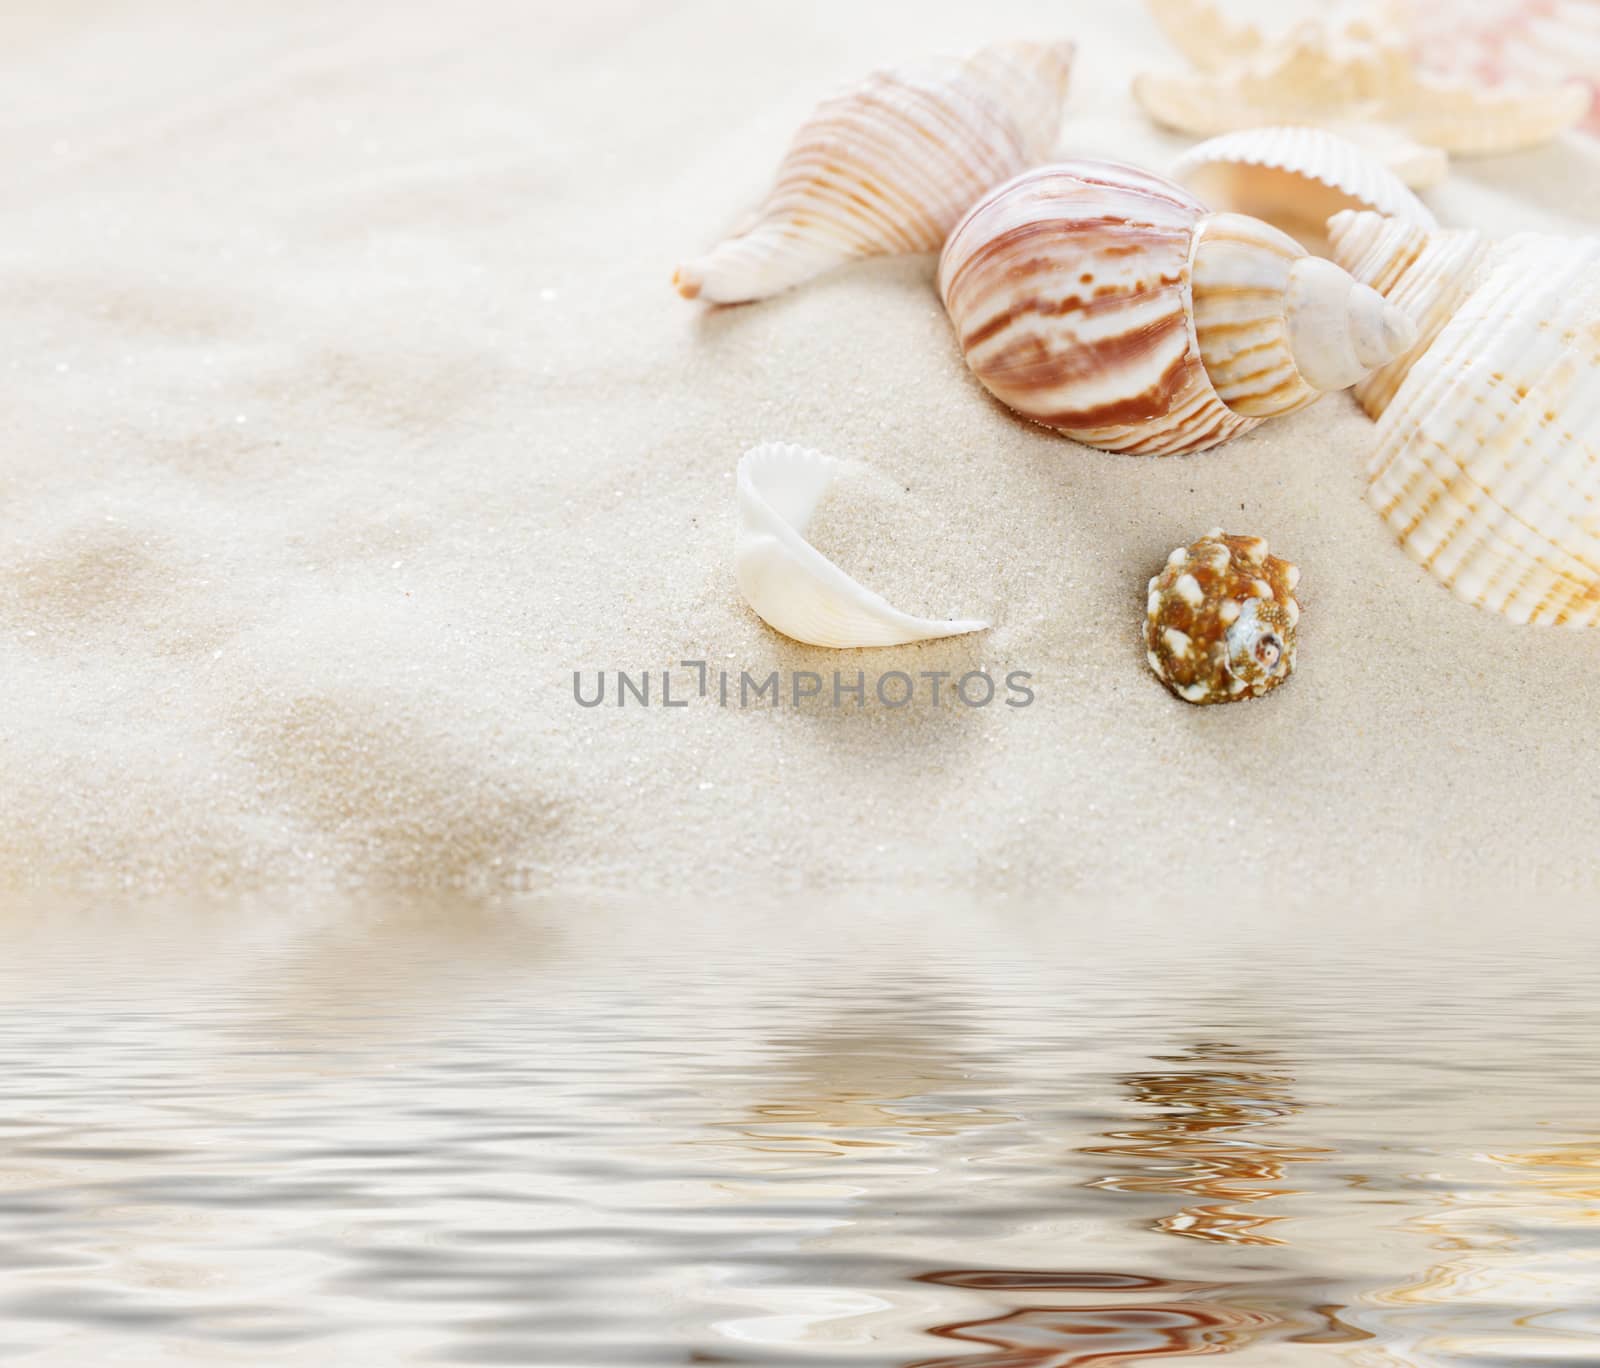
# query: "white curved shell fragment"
1487,464
1295,178
791,585
889,166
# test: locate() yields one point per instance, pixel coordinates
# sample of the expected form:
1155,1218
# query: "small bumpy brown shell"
1221,620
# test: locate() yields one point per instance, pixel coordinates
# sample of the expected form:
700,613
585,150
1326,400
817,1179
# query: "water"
865,1133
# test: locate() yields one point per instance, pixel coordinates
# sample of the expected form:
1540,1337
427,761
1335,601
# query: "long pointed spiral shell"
1487,463
889,166
1104,302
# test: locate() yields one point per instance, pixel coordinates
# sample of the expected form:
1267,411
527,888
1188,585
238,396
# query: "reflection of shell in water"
889,166
1104,1336
1487,463
1296,179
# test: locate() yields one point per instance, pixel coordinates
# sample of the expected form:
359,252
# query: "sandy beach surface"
350,412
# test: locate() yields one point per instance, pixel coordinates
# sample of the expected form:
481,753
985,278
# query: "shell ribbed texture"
1426,274
1241,273
1487,464
889,166
1294,176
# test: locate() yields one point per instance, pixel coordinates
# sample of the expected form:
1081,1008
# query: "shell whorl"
1276,327
1103,301
1069,291
1427,273
889,166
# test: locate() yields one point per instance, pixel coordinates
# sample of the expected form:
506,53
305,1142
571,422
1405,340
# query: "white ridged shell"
1487,463
1417,165
1277,328
791,585
889,167
1427,274
1295,179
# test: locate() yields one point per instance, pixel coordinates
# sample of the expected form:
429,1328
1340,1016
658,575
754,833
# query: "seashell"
1362,72
1296,179
1487,462
791,585
1221,620
1427,273
889,166
1107,303
1205,35
1520,42
1413,163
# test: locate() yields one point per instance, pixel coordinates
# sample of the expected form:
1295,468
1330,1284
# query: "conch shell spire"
890,166
1428,273
1278,328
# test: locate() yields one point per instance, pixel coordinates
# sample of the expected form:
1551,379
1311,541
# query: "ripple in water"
872,1135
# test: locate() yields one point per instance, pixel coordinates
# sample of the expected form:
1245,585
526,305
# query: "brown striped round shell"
889,166
1221,620
1106,303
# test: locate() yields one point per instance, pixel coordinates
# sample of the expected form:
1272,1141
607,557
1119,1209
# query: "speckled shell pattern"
1069,289
889,166
1221,620
1487,462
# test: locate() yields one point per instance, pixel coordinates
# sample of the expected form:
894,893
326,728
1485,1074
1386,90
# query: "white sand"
350,411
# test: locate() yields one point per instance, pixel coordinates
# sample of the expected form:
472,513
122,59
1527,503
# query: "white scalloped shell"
1416,164
1295,178
1487,462
791,585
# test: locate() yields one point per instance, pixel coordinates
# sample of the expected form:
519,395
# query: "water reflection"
1076,1328
869,1079
1214,1138
447,1131
1520,1277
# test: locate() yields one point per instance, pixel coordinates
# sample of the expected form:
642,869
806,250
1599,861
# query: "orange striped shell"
1069,288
